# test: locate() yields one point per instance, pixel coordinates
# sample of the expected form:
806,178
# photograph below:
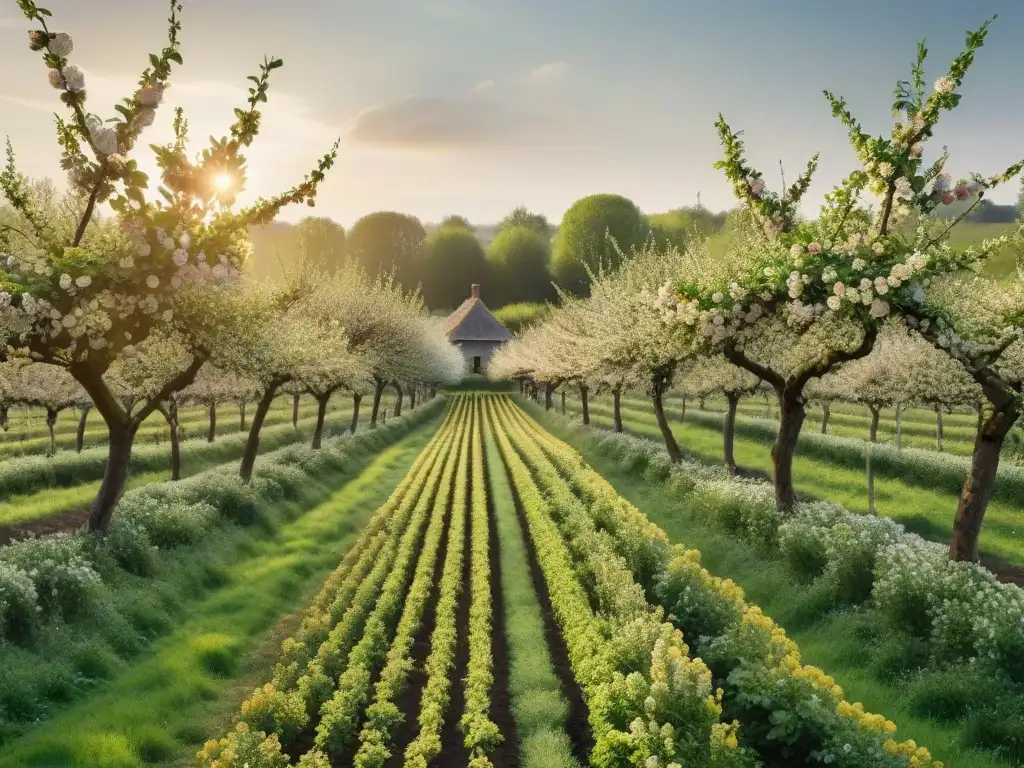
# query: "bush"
19,603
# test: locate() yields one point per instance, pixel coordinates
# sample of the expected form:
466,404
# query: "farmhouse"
473,329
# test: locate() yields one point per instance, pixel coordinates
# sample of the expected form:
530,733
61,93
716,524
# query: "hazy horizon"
454,106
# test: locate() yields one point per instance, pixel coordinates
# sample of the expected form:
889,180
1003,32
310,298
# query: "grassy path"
538,706
834,640
161,708
927,511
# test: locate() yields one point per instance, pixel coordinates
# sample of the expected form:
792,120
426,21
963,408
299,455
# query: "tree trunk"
170,412
826,411
700,403
80,433
252,445
119,455
767,407
938,428
378,392
977,490
549,391
682,412
295,410
398,400
412,396
871,480
356,400
241,417
321,414
791,420
433,392
3,417
585,405
659,384
876,413
617,410
51,425
899,427
729,433
563,401
211,434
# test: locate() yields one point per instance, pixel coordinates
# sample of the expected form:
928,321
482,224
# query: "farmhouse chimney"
474,290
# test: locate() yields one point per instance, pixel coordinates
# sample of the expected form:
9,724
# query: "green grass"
927,511
161,707
831,639
48,502
538,706
27,433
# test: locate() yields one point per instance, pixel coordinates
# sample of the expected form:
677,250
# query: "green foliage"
321,243
386,240
454,260
457,222
585,239
518,317
519,259
681,226
521,217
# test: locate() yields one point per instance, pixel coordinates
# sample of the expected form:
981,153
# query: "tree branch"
90,206
837,356
176,384
737,357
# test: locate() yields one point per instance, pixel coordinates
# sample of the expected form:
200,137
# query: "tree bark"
617,410
792,412
563,401
659,384
700,403
170,413
119,455
3,417
412,396
321,414
357,398
826,411
977,490
295,410
80,433
398,400
585,404
899,427
871,479
876,413
241,417
682,412
378,392
211,434
252,445
549,391
729,433
938,428
51,425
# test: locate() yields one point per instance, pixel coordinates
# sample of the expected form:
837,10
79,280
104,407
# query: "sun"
222,182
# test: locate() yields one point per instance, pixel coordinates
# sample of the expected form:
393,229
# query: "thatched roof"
473,321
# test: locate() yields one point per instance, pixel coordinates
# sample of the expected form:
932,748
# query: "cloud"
420,123
551,72
483,86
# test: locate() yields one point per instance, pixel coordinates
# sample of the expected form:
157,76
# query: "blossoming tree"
49,387
214,386
802,297
76,291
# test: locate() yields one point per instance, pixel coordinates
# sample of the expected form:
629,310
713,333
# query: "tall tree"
388,240
520,216
321,243
518,259
457,222
454,260
595,233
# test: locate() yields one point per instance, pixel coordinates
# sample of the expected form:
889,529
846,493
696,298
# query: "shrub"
19,602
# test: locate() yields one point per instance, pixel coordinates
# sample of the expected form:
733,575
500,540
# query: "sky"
477,106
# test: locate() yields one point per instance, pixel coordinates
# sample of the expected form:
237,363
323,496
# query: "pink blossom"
948,198
814,247
962,193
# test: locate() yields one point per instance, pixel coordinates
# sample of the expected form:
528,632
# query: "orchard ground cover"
512,609
907,493
152,658
948,708
40,494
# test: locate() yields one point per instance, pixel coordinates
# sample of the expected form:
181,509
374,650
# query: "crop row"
336,694
787,712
